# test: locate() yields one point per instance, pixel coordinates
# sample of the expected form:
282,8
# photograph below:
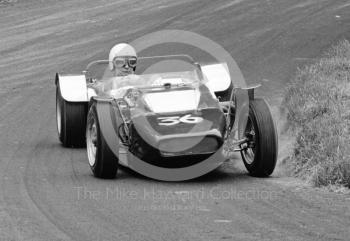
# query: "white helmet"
119,50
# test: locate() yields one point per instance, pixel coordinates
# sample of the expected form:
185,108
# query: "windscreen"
150,71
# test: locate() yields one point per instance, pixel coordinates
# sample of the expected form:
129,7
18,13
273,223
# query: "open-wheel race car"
170,115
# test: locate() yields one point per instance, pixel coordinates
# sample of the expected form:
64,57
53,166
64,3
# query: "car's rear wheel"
259,153
71,121
102,161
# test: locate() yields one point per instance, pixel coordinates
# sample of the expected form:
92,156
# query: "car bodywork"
171,119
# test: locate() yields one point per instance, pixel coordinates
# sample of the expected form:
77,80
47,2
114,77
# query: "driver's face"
123,71
124,65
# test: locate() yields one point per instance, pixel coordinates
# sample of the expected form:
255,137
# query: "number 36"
173,120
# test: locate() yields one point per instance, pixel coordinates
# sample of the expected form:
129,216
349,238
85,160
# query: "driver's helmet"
122,59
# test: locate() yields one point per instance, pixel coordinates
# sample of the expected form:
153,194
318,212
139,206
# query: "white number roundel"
174,120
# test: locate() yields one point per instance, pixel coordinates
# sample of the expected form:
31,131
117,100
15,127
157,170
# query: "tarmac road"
47,192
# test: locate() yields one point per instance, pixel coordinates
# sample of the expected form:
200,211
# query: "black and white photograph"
186,120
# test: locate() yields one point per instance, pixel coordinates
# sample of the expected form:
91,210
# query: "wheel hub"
248,148
91,142
58,116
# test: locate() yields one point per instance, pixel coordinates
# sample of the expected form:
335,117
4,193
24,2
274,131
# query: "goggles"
120,62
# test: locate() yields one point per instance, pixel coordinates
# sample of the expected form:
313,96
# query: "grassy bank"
318,104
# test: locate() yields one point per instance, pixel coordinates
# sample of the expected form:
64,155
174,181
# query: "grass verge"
318,105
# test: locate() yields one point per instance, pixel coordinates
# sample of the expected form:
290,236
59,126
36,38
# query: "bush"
318,104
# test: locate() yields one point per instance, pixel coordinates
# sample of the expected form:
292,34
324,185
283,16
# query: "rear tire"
102,161
260,154
71,121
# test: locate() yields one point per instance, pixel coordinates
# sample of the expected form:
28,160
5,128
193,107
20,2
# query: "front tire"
260,152
102,161
71,121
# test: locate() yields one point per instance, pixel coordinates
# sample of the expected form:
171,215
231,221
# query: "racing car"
173,118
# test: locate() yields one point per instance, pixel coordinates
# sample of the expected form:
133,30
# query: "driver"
122,60
122,64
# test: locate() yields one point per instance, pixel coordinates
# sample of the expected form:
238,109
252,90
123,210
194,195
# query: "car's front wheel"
259,153
102,161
